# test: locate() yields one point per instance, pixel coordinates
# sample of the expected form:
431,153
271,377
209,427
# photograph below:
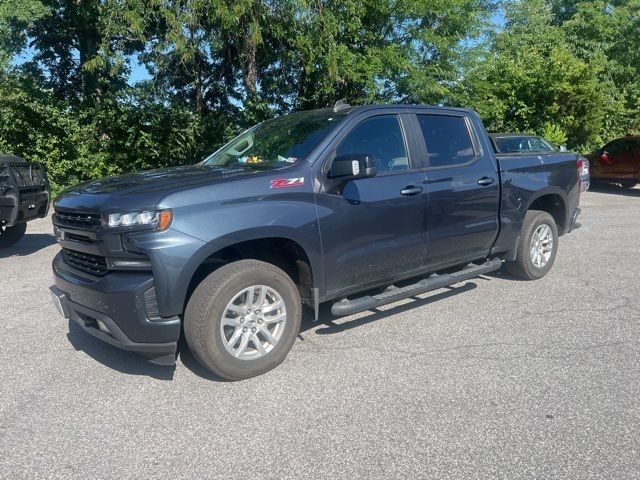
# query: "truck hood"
142,190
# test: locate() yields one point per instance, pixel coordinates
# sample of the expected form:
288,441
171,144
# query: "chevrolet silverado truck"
358,206
24,196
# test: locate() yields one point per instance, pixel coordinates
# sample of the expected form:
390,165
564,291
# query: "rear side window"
447,138
620,146
381,138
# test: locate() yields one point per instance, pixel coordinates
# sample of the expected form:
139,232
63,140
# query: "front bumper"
18,207
113,309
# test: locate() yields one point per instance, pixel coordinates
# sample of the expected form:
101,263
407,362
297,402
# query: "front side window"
277,143
447,138
381,139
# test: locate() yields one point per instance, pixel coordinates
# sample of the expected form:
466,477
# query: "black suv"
24,195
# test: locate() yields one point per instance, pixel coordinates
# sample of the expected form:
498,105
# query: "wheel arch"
278,247
553,201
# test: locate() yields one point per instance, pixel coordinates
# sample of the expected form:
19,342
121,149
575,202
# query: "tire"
524,267
222,290
627,183
11,235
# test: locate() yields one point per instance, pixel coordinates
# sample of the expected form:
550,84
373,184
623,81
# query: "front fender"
218,219
311,249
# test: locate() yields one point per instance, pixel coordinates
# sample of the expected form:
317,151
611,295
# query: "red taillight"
579,166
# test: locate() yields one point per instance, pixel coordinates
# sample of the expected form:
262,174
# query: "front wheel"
243,319
11,235
537,247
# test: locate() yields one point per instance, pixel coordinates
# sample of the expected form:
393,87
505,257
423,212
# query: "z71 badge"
287,182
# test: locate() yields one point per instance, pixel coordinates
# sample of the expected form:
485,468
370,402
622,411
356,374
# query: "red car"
618,161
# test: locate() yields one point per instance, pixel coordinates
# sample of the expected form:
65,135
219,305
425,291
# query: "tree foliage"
567,69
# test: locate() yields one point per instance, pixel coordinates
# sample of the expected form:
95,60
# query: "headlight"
159,219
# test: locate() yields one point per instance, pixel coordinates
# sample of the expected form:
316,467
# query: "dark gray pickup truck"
358,206
24,195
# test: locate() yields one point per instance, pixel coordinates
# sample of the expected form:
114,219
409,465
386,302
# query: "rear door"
463,191
374,229
622,163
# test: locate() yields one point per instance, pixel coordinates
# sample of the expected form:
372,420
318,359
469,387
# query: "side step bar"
393,294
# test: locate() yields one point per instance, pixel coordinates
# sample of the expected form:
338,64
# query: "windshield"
279,142
522,144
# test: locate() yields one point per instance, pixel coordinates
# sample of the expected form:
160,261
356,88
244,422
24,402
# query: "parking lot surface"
494,378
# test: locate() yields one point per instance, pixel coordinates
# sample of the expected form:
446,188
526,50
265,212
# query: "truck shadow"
30,243
614,189
190,362
331,324
504,275
131,364
115,358
328,325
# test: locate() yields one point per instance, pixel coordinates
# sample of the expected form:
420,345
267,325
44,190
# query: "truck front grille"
28,175
77,220
93,264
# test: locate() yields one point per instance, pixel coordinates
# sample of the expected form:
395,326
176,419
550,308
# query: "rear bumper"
112,308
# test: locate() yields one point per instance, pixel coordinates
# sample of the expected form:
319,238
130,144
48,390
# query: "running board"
393,294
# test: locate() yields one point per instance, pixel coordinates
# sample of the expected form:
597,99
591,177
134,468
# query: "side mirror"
352,167
562,148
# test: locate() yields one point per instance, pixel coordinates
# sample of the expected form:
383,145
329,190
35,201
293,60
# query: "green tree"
606,33
530,80
15,17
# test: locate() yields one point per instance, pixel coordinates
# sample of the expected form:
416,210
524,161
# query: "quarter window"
381,138
447,138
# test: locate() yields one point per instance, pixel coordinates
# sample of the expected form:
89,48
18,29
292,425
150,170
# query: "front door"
373,229
463,191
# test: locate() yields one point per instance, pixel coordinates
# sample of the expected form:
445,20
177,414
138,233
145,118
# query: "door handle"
486,181
410,190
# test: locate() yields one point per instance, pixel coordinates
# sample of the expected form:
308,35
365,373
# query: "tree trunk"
250,67
85,20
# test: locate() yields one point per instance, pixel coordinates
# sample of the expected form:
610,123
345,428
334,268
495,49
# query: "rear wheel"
537,247
243,319
11,235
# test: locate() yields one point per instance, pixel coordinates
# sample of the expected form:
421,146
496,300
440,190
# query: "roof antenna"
340,104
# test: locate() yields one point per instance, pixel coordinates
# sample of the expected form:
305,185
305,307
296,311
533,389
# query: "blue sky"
138,71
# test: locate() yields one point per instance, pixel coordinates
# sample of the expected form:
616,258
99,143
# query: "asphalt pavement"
494,378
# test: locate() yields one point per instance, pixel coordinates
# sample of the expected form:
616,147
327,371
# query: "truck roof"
408,106
10,158
347,109
511,134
